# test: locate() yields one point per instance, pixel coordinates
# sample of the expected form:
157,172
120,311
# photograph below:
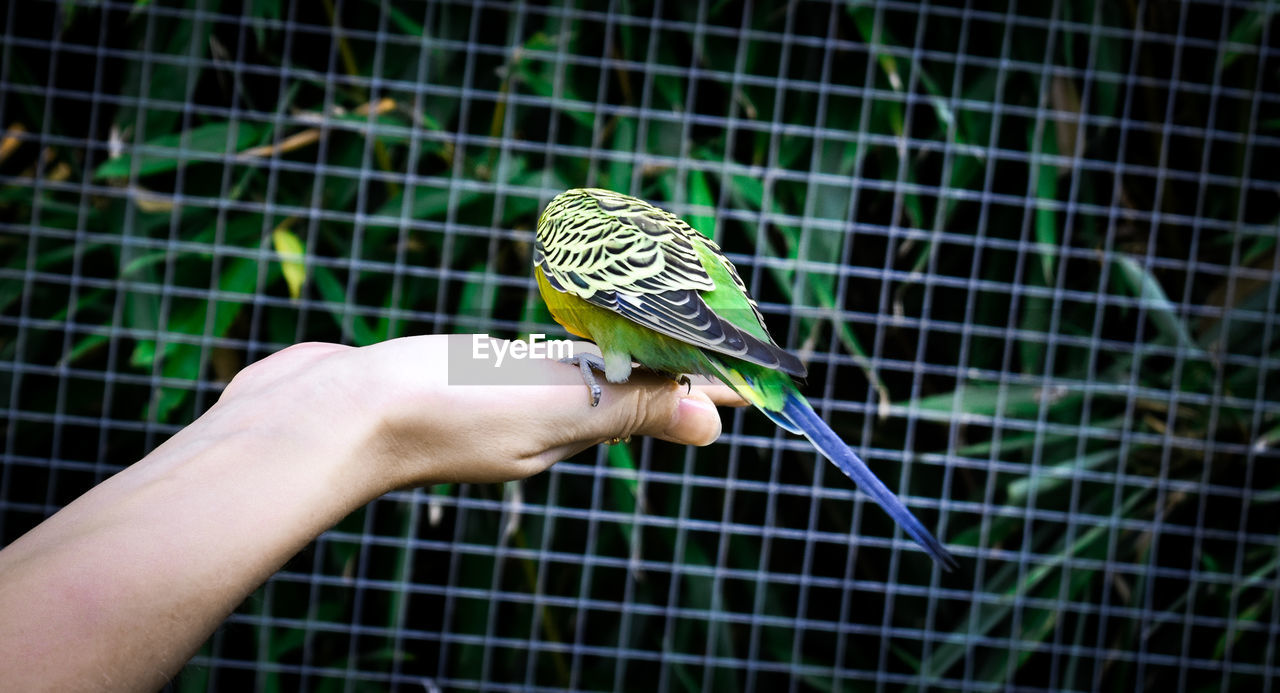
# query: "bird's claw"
678,379
587,363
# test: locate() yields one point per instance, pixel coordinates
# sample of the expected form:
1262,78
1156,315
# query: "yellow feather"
567,309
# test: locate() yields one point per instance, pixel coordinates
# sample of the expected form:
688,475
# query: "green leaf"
1163,312
978,399
624,140
1248,31
426,203
154,88
331,290
700,196
625,490
184,360
864,18
1053,477
216,139
403,21
987,617
1046,194
290,252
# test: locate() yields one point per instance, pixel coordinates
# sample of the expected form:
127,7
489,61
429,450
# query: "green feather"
729,300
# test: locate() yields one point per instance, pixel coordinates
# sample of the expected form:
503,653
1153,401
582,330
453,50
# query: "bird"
649,289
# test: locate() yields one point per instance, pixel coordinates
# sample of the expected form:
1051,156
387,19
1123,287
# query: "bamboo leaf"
290,253
1147,289
168,152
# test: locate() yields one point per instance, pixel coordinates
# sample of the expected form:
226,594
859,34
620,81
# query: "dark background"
1028,253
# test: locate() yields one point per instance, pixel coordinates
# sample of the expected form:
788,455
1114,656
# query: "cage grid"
1027,250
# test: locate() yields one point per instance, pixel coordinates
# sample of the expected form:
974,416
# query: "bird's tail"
799,417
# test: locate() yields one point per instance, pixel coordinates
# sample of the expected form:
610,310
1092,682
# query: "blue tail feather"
800,417
782,421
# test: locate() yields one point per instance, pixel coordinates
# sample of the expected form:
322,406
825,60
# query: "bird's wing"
623,254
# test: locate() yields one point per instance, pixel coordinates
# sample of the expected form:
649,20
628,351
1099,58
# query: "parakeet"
649,289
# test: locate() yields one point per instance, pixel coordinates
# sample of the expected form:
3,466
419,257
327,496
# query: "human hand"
390,409
129,579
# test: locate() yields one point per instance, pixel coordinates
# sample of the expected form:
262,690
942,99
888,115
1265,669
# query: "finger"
648,404
693,421
655,406
722,395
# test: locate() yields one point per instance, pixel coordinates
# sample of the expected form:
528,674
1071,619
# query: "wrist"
308,430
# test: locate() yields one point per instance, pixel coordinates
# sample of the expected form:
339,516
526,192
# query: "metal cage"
1028,252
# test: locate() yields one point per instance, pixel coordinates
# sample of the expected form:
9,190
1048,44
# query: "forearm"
120,587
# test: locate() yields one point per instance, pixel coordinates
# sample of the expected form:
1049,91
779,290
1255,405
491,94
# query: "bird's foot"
679,378
588,362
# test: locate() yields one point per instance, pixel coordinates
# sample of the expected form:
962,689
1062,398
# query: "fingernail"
694,422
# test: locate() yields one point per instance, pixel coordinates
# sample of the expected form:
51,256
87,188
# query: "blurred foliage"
1020,259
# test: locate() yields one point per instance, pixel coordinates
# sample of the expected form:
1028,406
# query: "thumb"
657,407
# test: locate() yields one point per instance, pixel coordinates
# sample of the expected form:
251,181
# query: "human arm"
120,587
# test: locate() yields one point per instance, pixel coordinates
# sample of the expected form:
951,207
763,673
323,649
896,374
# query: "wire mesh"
1028,252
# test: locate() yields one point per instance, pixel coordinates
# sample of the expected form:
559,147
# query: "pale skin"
118,589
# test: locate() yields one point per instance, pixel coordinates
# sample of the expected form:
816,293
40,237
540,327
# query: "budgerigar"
649,289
